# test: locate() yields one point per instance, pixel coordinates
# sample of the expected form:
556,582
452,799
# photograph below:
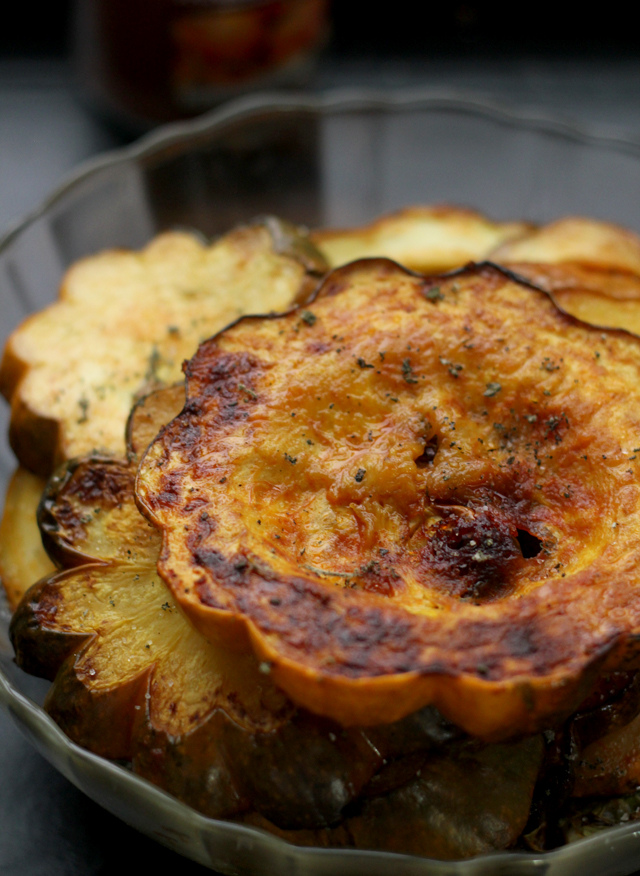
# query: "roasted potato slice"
414,490
23,560
421,238
125,321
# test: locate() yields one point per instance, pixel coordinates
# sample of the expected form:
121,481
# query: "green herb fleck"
247,390
83,404
407,371
434,294
492,389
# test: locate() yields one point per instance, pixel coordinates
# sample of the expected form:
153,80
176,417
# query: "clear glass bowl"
337,159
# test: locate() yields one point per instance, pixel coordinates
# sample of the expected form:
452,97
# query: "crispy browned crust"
133,680
414,491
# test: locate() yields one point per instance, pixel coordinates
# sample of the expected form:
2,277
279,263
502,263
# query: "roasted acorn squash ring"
416,490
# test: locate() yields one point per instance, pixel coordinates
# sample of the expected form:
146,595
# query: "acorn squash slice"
133,680
123,323
591,268
23,560
574,240
412,491
424,238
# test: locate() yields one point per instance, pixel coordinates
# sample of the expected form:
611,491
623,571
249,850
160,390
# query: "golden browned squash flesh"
592,267
610,299
125,321
421,238
411,491
23,560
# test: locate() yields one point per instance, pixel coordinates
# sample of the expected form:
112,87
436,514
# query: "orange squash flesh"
415,491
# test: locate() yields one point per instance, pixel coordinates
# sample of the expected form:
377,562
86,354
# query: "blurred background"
446,28
77,78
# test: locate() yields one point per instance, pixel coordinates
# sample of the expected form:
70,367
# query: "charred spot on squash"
472,553
530,544
476,549
429,453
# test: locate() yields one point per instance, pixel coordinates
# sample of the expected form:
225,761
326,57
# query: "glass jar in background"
144,62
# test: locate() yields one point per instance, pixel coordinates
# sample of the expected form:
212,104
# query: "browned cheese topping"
413,490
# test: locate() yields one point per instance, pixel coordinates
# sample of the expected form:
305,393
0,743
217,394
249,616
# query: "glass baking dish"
337,159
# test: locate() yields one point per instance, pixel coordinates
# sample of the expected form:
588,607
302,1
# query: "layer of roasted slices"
132,679
591,268
413,491
424,238
124,322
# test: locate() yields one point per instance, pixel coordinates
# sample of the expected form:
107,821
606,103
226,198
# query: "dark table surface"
46,825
